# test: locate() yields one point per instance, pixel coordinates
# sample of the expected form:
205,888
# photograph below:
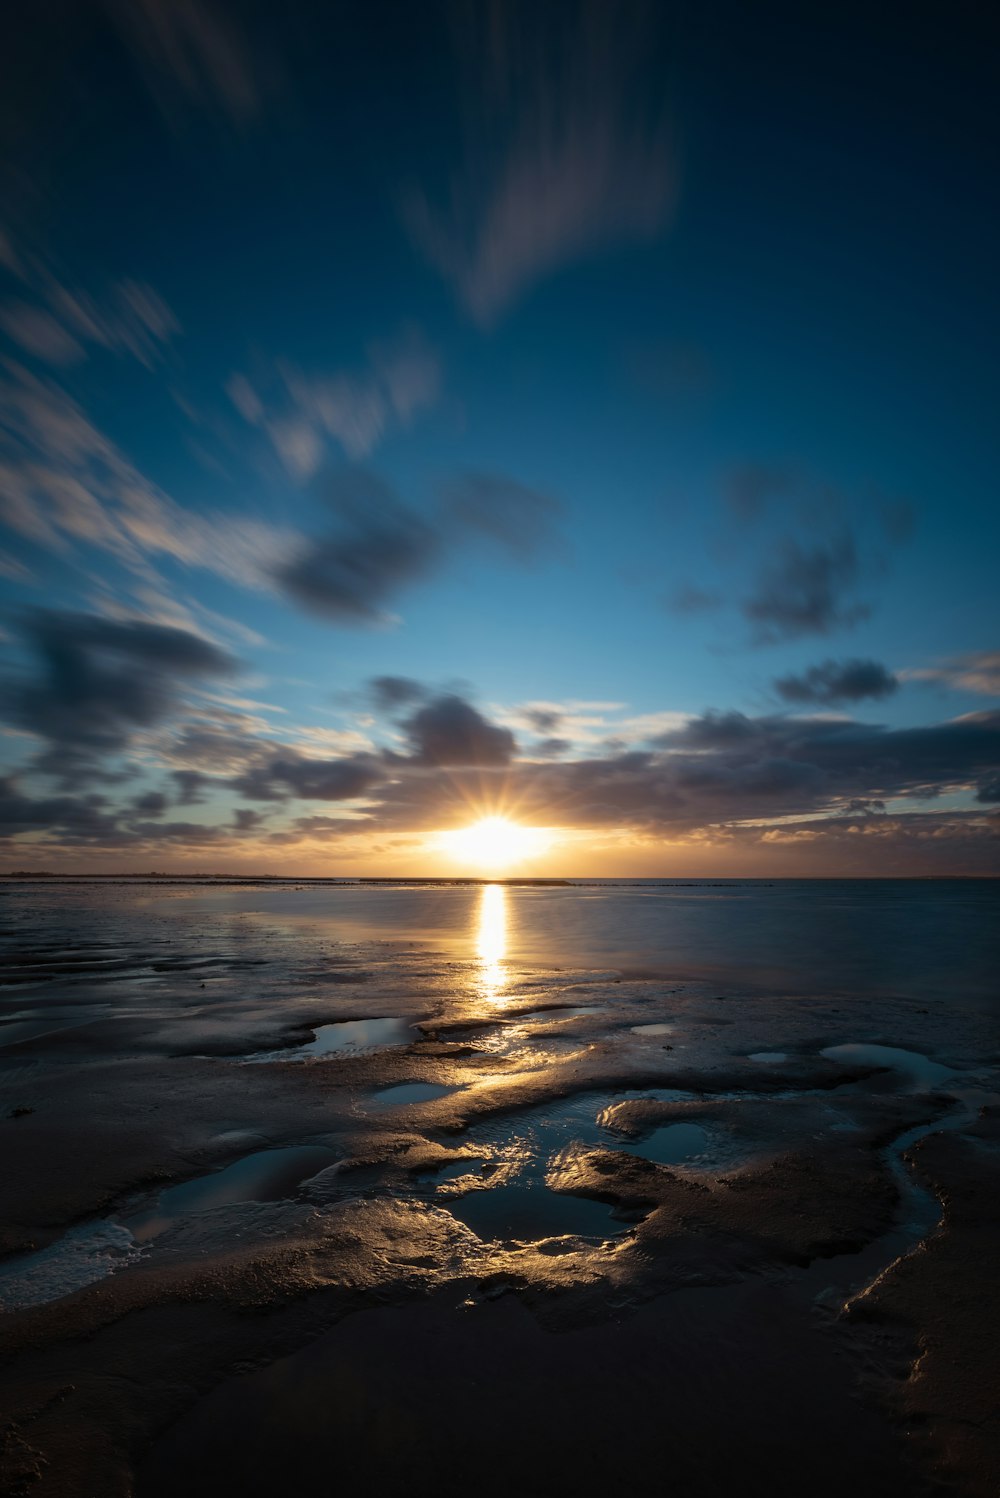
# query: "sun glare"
493,843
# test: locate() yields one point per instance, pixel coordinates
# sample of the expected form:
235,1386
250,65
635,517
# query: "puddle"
915,1071
93,1250
347,1035
772,1058
529,1211
404,1093
652,1030
267,1176
79,1258
674,1144
527,1143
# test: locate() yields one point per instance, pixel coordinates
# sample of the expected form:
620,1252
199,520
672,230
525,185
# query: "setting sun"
494,843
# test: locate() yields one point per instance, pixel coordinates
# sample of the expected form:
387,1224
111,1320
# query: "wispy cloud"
977,672
300,413
62,322
567,149
64,483
191,50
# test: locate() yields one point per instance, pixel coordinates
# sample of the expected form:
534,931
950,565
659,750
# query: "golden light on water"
491,945
494,843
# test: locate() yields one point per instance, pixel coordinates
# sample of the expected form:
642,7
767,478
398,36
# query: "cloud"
379,547
64,484
354,410
72,816
190,786
100,680
544,719
838,681
519,520
977,672
291,774
191,49
245,819
805,590
129,318
450,731
392,692
38,333
152,804
567,149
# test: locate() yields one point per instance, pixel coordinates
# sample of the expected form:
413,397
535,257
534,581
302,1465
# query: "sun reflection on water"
491,945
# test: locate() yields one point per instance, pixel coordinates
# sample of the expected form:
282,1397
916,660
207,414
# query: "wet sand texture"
284,1208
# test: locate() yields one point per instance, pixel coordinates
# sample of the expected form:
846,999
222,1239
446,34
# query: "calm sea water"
874,937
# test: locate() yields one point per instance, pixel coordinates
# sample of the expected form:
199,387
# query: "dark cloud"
988,790
245,819
543,719
190,785
152,804
74,817
289,774
519,520
389,693
379,547
838,681
450,731
552,748
100,680
806,590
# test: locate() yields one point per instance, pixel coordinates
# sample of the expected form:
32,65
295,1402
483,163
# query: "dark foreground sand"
489,1287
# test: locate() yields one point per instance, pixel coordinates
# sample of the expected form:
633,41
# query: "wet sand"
283,1210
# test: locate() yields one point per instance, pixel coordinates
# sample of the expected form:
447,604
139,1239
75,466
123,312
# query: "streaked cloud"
302,414
568,149
978,672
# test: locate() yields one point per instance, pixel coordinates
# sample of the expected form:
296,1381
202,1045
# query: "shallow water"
906,1071
266,1176
880,936
347,1035
405,1094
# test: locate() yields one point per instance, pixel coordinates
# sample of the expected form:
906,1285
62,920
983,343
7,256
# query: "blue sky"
617,377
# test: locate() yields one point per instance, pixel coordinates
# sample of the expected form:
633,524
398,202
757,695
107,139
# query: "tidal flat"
569,1189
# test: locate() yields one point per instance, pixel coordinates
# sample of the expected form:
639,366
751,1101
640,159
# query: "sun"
493,843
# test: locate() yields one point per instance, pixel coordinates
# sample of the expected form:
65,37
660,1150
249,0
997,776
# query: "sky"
575,413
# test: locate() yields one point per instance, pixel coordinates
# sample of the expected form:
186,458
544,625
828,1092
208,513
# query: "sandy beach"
282,1208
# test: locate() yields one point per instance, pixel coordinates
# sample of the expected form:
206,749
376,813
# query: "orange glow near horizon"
493,843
